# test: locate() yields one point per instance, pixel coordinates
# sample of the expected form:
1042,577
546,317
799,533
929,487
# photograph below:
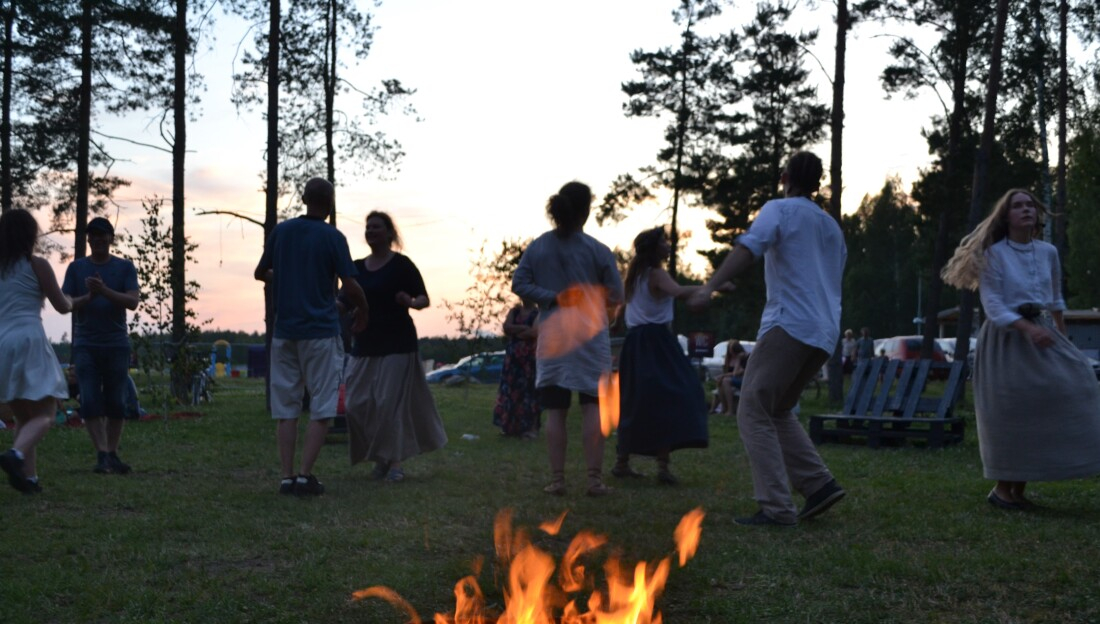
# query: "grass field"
198,534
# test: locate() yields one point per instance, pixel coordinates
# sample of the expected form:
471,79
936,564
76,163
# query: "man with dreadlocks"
804,255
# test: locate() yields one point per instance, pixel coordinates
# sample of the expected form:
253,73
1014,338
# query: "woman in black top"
390,410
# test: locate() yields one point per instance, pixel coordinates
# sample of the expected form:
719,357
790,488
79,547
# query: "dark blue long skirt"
661,400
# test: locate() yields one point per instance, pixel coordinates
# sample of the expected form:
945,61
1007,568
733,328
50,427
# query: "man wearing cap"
302,259
102,287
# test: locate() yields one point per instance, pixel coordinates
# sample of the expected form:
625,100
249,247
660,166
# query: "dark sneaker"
760,519
820,501
102,464
34,487
286,486
13,465
117,465
308,485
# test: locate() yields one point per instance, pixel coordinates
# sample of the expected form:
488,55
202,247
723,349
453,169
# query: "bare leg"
33,419
315,441
556,441
287,433
1017,488
97,430
112,433
593,444
725,389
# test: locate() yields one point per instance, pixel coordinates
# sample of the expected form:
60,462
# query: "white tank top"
645,309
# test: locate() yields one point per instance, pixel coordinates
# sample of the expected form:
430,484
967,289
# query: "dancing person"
804,255
662,407
102,287
31,379
517,410
302,259
1035,396
573,278
729,381
390,410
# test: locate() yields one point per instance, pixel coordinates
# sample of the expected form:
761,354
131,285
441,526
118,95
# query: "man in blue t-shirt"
102,287
301,261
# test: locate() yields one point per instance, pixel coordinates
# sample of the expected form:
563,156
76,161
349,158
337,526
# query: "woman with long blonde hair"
1035,396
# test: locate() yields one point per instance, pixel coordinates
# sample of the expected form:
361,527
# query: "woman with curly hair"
1035,396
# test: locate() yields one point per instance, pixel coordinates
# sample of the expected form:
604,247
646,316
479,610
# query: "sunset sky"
515,99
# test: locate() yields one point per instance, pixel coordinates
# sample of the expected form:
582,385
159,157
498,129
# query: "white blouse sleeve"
992,291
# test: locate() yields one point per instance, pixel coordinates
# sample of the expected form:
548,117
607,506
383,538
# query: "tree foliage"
695,88
1083,213
152,323
480,313
315,133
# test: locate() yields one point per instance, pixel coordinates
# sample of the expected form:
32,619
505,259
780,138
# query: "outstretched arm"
737,260
47,281
358,300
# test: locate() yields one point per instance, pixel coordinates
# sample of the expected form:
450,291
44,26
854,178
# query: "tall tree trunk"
1040,105
981,173
963,43
271,213
179,151
330,96
5,115
1063,104
678,177
84,130
836,371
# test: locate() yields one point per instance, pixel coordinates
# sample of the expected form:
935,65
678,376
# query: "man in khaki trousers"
804,255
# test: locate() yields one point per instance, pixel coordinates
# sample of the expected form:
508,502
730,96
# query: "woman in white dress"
1035,396
31,380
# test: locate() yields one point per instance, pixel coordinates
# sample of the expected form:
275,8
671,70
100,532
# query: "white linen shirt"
804,255
1016,274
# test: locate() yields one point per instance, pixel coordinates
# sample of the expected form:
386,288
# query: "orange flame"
687,534
553,527
530,597
581,314
609,402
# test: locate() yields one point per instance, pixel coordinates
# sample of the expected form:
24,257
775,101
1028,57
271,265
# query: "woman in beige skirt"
1036,398
390,410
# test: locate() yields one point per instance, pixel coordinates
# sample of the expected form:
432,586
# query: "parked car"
1095,367
482,367
948,346
908,348
713,364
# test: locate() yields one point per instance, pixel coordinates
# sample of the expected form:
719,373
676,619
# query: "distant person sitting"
729,380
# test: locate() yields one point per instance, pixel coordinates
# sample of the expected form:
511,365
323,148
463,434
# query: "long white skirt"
1038,410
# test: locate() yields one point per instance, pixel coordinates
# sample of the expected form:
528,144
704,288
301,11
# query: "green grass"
197,533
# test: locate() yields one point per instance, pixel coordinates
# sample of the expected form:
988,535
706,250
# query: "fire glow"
581,314
533,596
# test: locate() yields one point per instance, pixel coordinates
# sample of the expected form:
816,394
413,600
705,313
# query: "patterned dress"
517,410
